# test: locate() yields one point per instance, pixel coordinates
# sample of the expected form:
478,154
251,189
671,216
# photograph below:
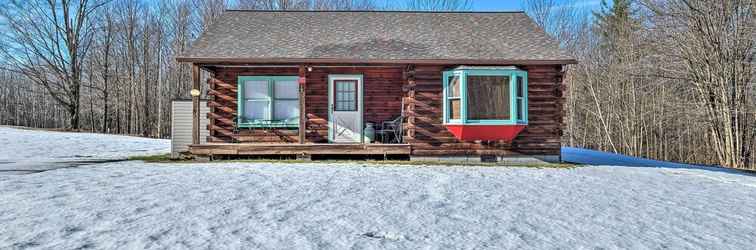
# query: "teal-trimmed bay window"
485,96
268,101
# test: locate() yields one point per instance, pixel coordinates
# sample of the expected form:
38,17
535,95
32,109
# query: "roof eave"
216,60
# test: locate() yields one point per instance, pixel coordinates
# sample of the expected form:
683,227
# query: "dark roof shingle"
374,36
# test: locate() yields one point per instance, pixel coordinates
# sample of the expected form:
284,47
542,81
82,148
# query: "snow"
593,157
313,206
28,151
137,205
39,145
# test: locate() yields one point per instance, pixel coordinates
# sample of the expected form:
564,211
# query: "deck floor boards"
299,149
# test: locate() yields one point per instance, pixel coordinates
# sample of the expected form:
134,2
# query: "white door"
345,108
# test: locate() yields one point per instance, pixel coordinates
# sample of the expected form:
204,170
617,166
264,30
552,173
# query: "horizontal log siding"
384,89
382,100
382,96
541,137
223,107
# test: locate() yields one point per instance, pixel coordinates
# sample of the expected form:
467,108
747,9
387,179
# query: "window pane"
519,109
285,109
454,86
345,98
346,86
488,97
255,89
341,106
286,89
339,86
346,105
454,108
256,110
520,88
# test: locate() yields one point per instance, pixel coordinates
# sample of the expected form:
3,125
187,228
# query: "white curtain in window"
285,100
256,104
255,89
286,109
286,89
286,104
256,110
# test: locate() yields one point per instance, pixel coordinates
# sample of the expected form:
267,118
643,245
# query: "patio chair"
391,131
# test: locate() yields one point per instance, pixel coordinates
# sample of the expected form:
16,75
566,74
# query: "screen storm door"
345,108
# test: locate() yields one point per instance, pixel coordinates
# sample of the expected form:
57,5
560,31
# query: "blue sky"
498,5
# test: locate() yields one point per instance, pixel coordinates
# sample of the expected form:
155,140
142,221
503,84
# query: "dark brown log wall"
382,101
429,137
421,88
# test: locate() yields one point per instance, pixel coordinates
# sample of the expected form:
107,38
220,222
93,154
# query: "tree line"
665,79
108,65
104,66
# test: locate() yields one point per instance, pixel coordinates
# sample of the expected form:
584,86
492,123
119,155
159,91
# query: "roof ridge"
384,11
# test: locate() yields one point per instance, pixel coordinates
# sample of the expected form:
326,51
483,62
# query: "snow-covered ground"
593,157
37,145
135,205
25,151
288,206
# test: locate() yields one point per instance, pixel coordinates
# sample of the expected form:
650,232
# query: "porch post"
302,112
409,89
195,104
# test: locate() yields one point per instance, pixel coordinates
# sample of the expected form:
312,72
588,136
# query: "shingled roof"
374,36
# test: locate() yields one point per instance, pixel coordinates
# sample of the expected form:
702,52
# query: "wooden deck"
252,149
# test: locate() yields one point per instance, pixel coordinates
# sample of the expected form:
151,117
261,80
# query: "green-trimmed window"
268,101
485,95
454,99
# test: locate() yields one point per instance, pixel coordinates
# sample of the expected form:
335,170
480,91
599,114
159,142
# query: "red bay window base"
485,132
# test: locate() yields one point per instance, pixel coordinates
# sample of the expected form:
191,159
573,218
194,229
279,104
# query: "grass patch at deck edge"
166,158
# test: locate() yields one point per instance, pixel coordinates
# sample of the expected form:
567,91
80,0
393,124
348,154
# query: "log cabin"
480,86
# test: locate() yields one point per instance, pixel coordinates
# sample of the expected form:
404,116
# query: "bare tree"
439,5
710,44
564,20
47,41
667,79
344,5
274,4
125,68
103,58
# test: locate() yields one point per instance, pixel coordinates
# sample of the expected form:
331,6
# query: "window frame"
356,85
241,122
447,92
513,99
